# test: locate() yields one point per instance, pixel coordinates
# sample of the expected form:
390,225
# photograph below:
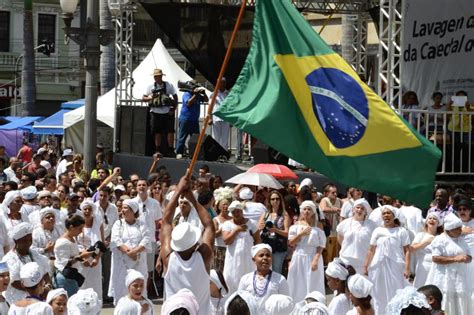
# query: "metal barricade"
451,132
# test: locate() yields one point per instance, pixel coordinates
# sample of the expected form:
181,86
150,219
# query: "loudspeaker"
211,150
135,135
262,153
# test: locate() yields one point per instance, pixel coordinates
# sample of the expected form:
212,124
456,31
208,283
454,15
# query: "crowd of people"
72,240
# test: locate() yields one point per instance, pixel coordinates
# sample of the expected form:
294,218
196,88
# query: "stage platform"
141,165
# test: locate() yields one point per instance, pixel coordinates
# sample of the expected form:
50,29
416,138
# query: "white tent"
158,57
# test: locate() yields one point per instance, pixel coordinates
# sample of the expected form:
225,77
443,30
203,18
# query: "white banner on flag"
438,48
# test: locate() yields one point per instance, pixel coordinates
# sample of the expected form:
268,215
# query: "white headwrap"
245,193
362,202
279,304
54,294
45,211
29,193
394,210
132,204
84,302
316,295
336,270
312,205
249,299
4,267
404,298
314,308
359,286
234,205
435,216
31,274
215,278
20,230
132,275
128,307
451,222
87,203
184,298
259,247
306,182
9,197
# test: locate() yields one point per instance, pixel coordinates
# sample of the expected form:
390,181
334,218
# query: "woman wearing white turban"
46,234
58,300
422,251
306,270
263,282
134,300
385,262
129,243
12,210
450,268
336,275
360,289
354,235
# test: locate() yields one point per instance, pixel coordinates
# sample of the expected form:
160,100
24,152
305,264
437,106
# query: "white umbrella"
255,179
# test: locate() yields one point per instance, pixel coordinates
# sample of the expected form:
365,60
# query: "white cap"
45,164
31,274
120,187
68,152
184,236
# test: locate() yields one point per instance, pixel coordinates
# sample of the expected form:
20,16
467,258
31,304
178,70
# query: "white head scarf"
87,203
245,193
20,230
84,302
308,203
313,308
435,216
316,295
184,298
451,222
45,211
249,299
133,275
31,274
29,193
54,294
404,298
362,202
255,249
9,197
132,204
336,270
279,304
359,286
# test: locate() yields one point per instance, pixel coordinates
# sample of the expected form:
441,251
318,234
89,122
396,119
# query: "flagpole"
216,89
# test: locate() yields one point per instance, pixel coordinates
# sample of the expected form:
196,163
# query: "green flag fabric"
298,96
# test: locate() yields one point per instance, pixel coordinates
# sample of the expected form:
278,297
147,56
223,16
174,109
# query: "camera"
190,86
98,247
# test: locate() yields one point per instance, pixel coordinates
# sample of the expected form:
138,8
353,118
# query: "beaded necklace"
258,291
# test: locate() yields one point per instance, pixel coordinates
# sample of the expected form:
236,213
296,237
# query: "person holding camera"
193,98
162,98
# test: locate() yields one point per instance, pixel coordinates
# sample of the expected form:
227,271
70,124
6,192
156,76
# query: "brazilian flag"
298,96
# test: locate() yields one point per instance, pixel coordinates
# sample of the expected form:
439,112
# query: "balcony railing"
451,132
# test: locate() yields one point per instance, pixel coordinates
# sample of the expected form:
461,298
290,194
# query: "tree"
107,58
28,80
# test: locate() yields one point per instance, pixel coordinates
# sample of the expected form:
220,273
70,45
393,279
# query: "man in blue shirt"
189,117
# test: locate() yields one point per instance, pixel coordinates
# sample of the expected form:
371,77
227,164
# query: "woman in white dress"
466,214
360,290
336,275
306,270
422,251
263,282
135,283
385,262
58,300
32,279
130,240
348,205
450,268
353,234
239,235
223,197
46,234
11,208
92,233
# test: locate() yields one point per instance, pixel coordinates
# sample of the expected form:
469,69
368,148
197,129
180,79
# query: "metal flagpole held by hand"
216,89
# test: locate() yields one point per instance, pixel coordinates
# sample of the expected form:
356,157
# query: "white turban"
245,193
249,299
259,247
132,204
215,279
87,203
20,230
85,301
128,307
306,182
45,211
404,298
336,270
234,205
4,267
316,295
54,294
9,197
362,202
29,193
279,304
396,212
31,274
308,203
451,222
314,308
359,286
435,216
133,275
184,298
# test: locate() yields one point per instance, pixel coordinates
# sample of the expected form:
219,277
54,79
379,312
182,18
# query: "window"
5,31
47,29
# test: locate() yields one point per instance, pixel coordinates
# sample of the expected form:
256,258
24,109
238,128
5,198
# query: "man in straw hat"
186,252
162,112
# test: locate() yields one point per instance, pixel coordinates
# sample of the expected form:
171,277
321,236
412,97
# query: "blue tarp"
73,104
53,125
23,123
